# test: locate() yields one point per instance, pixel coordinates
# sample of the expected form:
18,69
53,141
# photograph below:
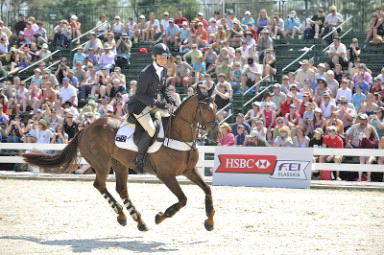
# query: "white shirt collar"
158,69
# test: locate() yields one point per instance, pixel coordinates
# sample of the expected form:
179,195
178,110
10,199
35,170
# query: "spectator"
117,28
332,20
377,86
284,139
332,84
44,134
300,140
68,92
247,19
254,113
277,25
377,121
332,140
269,63
59,136
370,105
327,105
265,42
198,68
172,34
117,88
240,138
334,121
284,106
79,57
140,30
321,89
103,27
263,21
123,50
251,74
15,131
70,126
308,116
62,34
292,119
362,83
223,92
93,43
317,23
107,58
75,27
358,98
184,35
337,53
194,54
344,91
164,23
183,73
21,24
153,27
353,52
236,78
259,127
304,73
376,28
253,140
180,19
318,119
223,68
174,95
92,58
381,75
292,25
240,121
227,138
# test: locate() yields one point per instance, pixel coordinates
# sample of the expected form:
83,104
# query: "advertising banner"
263,166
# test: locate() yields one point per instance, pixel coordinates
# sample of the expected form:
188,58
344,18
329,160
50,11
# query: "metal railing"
339,26
256,84
39,61
298,58
51,65
257,95
88,32
344,34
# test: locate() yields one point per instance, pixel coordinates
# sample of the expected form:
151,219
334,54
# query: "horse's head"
206,113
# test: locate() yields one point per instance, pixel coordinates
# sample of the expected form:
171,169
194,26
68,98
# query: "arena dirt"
62,217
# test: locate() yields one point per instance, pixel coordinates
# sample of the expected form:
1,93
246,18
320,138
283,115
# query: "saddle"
130,133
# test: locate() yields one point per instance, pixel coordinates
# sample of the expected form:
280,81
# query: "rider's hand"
160,104
171,108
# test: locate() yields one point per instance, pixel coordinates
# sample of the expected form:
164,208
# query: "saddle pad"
124,138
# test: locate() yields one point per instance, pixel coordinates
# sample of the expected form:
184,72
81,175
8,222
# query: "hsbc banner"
263,166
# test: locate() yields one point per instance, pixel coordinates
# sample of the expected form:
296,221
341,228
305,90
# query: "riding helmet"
161,49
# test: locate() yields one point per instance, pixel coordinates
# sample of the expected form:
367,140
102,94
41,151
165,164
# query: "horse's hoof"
207,226
142,227
122,220
158,218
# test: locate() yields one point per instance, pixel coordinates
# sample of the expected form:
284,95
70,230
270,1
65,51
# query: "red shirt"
336,142
180,21
284,108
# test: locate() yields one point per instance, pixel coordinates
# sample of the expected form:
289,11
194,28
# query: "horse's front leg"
174,186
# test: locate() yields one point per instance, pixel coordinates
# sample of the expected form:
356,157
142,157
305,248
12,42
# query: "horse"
96,145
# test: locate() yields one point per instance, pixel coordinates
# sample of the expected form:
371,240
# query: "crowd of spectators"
332,104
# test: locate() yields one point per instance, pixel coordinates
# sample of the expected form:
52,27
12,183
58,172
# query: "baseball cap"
362,116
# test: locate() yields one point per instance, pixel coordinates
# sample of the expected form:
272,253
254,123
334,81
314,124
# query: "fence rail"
206,157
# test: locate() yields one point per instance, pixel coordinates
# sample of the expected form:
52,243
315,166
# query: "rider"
146,101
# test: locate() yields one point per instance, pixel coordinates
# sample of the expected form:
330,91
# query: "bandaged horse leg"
121,173
99,184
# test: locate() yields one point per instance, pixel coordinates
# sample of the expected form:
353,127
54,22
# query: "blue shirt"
357,99
363,85
291,23
199,66
79,58
173,30
184,34
234,128
246,22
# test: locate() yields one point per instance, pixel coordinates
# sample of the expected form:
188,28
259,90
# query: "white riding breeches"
145,119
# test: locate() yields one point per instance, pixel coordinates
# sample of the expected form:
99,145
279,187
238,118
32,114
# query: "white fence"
207,151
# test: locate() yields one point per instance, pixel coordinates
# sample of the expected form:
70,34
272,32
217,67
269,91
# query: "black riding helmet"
161,49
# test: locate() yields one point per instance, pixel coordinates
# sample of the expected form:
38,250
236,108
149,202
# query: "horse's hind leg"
121,173
196,178
99,184
174,186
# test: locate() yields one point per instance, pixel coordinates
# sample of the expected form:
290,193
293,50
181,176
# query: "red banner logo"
237,163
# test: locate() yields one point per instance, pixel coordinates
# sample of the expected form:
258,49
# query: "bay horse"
97,145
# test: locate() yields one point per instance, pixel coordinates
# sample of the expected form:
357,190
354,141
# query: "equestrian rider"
146,101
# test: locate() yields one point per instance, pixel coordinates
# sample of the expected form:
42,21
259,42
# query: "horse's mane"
183,104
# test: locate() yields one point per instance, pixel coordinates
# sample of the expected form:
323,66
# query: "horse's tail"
59,162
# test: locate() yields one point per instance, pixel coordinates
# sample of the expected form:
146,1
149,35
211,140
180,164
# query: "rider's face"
161,60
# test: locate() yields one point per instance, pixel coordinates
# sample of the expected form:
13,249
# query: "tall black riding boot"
143,144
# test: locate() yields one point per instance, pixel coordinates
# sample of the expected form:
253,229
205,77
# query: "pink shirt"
227,140
28,34
107,59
